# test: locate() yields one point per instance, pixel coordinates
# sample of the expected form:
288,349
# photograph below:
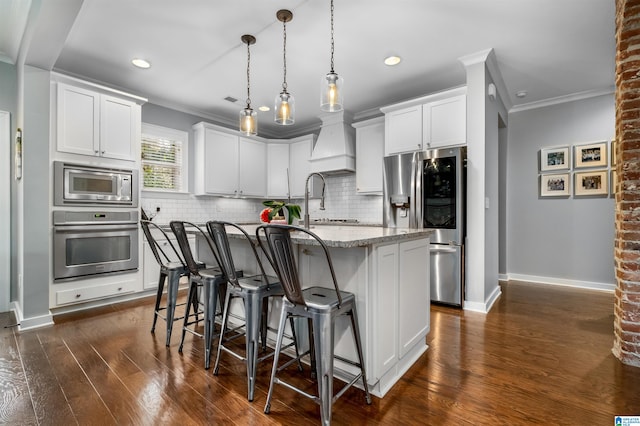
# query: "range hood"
335,150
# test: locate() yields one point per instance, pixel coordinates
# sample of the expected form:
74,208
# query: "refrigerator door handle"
442,249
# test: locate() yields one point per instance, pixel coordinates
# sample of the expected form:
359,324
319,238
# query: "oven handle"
102,227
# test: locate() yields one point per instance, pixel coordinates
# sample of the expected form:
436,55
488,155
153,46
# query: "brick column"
626,345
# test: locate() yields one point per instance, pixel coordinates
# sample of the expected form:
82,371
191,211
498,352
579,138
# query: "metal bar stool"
254,291
321,305
171,271
212,282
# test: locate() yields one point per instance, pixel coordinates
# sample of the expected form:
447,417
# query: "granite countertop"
342,236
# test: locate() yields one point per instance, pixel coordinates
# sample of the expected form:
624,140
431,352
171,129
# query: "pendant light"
285,103
331,85
248,117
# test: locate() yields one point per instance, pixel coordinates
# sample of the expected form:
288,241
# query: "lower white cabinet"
151,269
97,289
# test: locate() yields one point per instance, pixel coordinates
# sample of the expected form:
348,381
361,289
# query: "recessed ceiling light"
141,63
392,60
264,108
521,94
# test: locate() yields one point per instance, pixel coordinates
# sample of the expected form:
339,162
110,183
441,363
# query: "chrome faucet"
306,197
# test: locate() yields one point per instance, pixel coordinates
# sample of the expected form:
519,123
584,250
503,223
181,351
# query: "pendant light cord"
248,75
284,56
332,36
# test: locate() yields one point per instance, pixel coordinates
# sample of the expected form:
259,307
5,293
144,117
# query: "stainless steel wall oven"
90,243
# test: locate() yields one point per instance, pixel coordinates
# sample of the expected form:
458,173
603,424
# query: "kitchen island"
388,271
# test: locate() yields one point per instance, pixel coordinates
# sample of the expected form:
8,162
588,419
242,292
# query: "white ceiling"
550,48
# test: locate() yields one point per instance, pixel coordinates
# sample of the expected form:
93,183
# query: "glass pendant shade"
248,122
285,108
331,93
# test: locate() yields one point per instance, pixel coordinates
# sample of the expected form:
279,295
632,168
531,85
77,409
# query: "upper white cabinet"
299,167
227,164
277,170
433,121
403,130
444,122
93,123
369,155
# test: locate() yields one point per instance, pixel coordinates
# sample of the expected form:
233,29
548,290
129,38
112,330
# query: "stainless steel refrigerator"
428,190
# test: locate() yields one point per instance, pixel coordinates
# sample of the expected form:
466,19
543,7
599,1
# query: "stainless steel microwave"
77,185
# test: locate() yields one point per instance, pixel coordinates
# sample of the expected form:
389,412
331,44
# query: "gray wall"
8,100
562,239
36,185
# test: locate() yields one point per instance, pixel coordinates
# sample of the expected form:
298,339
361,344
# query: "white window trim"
177,135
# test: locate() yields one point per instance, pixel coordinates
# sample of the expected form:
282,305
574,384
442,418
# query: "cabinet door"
445,122
278,170
385,300
151,271
220,163
403,130
118,128
78,120
413,293
369,158
299,154
253,168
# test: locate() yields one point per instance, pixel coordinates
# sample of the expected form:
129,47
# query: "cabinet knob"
96,152
102,152
119,288
78,295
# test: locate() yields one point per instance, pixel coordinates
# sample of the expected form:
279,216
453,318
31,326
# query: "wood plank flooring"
541,356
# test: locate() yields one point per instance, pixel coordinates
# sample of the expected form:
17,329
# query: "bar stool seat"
321,306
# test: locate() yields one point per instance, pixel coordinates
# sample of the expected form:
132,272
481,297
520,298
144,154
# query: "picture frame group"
555,178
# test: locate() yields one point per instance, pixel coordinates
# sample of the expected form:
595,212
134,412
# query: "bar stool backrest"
179,229
161,257
281,255
218,234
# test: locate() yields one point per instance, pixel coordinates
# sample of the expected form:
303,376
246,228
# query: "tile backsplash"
341,202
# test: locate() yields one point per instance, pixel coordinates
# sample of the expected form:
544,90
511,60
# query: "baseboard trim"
487,305
30,323
592,285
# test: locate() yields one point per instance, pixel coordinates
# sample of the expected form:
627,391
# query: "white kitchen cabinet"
413,300
445,122
151,269
433,121
278,170
97,124
226,164
369,155
252,179
299,167
403,130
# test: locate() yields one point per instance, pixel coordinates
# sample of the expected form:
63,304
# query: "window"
164,157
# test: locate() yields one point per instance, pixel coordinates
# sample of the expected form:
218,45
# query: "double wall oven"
98,232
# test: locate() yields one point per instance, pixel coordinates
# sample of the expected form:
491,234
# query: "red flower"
264,215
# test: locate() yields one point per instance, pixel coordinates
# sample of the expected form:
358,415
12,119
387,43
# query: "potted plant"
279,210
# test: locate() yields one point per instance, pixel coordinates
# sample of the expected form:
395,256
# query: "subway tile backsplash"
341,202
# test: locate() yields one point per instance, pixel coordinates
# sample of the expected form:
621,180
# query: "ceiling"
548,48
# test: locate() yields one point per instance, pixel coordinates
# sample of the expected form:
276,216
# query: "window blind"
162,163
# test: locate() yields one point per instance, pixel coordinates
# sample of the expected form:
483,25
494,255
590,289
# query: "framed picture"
593,182
556,185
613,179
554,158
613,152
591,155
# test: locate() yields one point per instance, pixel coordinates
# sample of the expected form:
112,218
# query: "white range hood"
335,150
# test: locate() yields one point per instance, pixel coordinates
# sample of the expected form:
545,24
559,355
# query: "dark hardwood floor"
541,356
